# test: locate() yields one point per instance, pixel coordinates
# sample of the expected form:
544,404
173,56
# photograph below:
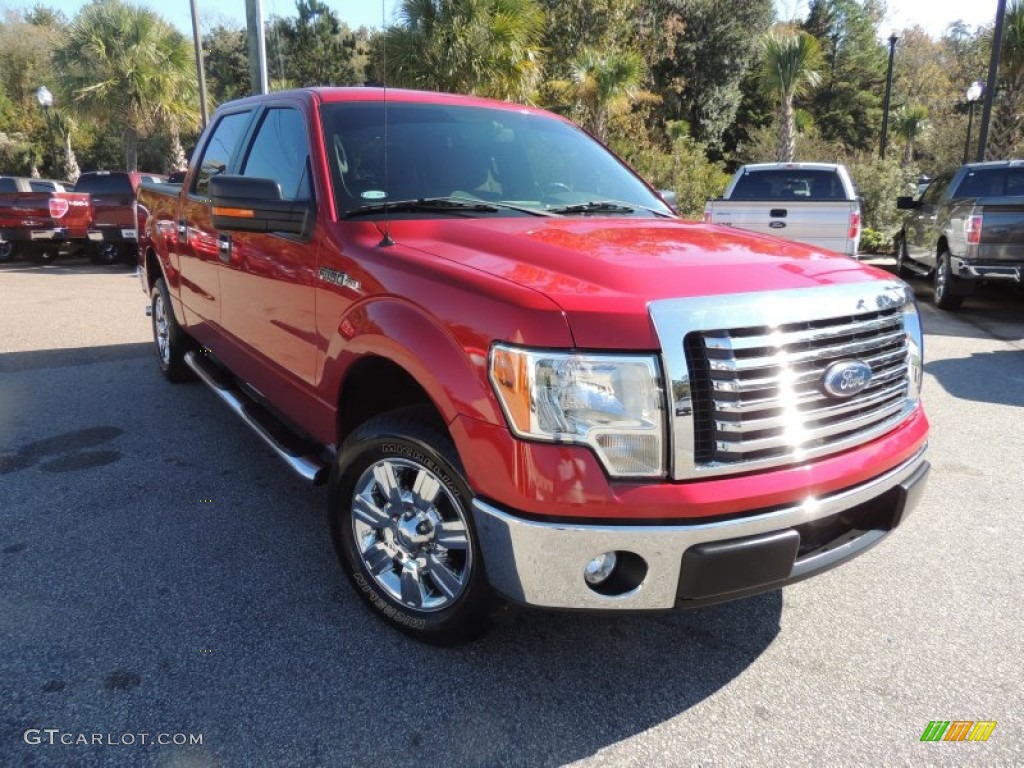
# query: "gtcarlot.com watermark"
55,737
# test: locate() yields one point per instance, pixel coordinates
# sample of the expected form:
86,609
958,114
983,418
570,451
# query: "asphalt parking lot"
161,573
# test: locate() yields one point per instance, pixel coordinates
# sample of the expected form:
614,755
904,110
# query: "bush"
873,241
879,183
685,170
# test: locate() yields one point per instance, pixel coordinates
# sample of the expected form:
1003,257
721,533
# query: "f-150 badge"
338,278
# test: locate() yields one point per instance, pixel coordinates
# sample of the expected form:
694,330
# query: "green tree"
707,47
124,63
1007,126
226,58
480,47
790,62
575,25
317,47
908,124
848,106
602,85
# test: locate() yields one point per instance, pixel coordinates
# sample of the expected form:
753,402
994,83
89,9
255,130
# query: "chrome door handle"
224,248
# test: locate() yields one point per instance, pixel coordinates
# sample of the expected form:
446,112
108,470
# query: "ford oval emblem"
846,378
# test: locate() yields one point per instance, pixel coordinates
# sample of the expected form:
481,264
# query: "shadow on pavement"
984,377
19,362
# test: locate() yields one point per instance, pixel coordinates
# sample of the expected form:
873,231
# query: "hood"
603,272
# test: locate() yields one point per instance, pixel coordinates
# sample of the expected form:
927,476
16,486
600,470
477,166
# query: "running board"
298,454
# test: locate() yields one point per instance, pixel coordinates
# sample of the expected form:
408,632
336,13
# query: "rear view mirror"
246,204
906,203
670,197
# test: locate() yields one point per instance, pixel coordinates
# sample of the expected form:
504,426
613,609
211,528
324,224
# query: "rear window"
108,184
790,184
8,184
992,182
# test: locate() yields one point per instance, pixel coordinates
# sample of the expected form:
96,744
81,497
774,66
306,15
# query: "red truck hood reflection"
603,272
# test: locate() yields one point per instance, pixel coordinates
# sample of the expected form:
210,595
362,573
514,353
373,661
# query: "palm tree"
65,125
602,85
789,66
909,124
481,47
1007,128
124,63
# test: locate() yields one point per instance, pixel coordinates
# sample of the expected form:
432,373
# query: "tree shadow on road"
984,377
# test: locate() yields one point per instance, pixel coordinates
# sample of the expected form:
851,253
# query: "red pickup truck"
37,217
522,376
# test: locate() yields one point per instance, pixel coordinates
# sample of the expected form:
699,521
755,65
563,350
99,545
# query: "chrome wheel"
941,277
411,535
161,330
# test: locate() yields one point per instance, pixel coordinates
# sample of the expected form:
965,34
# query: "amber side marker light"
237,213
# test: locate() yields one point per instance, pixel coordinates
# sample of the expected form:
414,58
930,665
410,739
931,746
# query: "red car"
522,376
112,235
37,218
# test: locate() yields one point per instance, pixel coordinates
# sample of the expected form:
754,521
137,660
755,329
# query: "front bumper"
542,564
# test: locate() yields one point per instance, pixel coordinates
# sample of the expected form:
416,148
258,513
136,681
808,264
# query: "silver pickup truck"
967,227
813,203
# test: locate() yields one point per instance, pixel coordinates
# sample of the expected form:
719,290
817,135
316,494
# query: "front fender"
449,364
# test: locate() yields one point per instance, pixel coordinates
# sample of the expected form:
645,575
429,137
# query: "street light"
974,91
45,99
888,92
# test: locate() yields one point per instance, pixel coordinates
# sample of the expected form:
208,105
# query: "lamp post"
888,92
974,92
45,99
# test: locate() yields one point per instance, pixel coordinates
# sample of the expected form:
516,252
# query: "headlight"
915,347
612,403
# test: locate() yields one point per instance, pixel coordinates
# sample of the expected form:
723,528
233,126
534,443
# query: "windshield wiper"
606,206
443,204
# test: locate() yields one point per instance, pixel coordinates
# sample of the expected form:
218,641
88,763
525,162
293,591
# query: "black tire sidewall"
175,369
8,252
378,440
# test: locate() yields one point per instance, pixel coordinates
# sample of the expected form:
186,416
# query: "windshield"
522,160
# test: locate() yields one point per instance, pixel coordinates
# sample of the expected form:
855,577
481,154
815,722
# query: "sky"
933,15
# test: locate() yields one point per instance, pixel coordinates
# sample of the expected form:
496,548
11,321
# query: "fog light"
600,568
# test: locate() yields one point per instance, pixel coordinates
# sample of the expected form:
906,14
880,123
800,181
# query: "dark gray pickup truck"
967,227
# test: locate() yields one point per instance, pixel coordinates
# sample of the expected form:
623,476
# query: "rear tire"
41,254
103,253
170,339
949,290
401,519
7,252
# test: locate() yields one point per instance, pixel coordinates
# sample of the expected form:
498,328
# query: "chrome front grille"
764,396
746,373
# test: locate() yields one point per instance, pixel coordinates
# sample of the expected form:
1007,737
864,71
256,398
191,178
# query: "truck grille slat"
879,396
758,392
743,362
726,342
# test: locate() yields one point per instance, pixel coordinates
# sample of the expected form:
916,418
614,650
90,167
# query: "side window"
280,152
219,149
935,189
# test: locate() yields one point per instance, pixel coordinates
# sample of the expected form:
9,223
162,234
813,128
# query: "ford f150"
36,221
813,203
967,227
521,375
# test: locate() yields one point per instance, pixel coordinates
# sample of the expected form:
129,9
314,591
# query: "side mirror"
246,204
906,203
671,198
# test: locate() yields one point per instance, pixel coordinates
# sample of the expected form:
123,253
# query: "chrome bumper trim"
973,271
542,563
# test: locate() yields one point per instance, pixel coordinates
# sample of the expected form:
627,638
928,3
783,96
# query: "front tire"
902,257
170,339
401,519
947,287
